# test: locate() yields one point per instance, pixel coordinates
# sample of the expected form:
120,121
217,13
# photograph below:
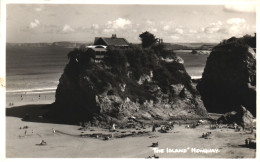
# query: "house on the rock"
99,48
97,53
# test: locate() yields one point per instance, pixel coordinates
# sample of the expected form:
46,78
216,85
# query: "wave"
33,91
41,92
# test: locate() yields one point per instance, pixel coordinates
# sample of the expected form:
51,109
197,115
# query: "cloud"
95,26
174,37
179,31
236,21
212,27
66,29
166,27
231,27
240,8
119,23
108,30
211,30
149,22
153,30
192,31
34,23
236,26
218,23
134,30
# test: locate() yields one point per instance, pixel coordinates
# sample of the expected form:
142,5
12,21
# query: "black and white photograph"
129,80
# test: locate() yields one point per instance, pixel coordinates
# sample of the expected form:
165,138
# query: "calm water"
36,69
194,64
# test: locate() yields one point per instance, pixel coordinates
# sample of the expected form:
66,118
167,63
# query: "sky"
33,23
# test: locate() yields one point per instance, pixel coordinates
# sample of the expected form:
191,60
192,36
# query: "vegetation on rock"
148,39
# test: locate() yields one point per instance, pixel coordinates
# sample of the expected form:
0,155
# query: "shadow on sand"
32,113
245,146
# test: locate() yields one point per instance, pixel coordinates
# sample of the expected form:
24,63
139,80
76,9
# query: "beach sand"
67,142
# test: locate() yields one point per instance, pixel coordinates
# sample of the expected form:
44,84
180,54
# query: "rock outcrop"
102,93
242,117
229,79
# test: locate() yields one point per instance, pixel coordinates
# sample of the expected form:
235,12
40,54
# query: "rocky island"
129,82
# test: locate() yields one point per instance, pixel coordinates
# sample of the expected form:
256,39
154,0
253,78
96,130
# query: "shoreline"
36,90
52,89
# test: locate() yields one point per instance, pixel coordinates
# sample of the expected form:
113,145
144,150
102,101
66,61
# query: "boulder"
242,117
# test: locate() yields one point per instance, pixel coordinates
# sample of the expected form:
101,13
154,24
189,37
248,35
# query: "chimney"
113,35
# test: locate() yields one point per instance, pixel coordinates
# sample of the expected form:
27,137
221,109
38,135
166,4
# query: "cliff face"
229,79
104,92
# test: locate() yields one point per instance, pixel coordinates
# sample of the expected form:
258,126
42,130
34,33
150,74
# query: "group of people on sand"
206,135
42,141
22,97
164,128
25,131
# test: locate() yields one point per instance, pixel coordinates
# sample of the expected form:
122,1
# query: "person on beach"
113,126
43,142
153,129
235,125
25,132
53,131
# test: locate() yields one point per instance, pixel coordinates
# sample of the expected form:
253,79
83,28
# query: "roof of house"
113,41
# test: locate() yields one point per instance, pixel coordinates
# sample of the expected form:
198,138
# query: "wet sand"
67,142
18,99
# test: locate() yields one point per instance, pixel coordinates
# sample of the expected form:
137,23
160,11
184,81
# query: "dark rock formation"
242,117
104,93
229,79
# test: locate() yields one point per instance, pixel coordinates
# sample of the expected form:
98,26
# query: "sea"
38,69
34,69
194,63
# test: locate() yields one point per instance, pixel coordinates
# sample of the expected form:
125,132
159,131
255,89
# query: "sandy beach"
68,142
